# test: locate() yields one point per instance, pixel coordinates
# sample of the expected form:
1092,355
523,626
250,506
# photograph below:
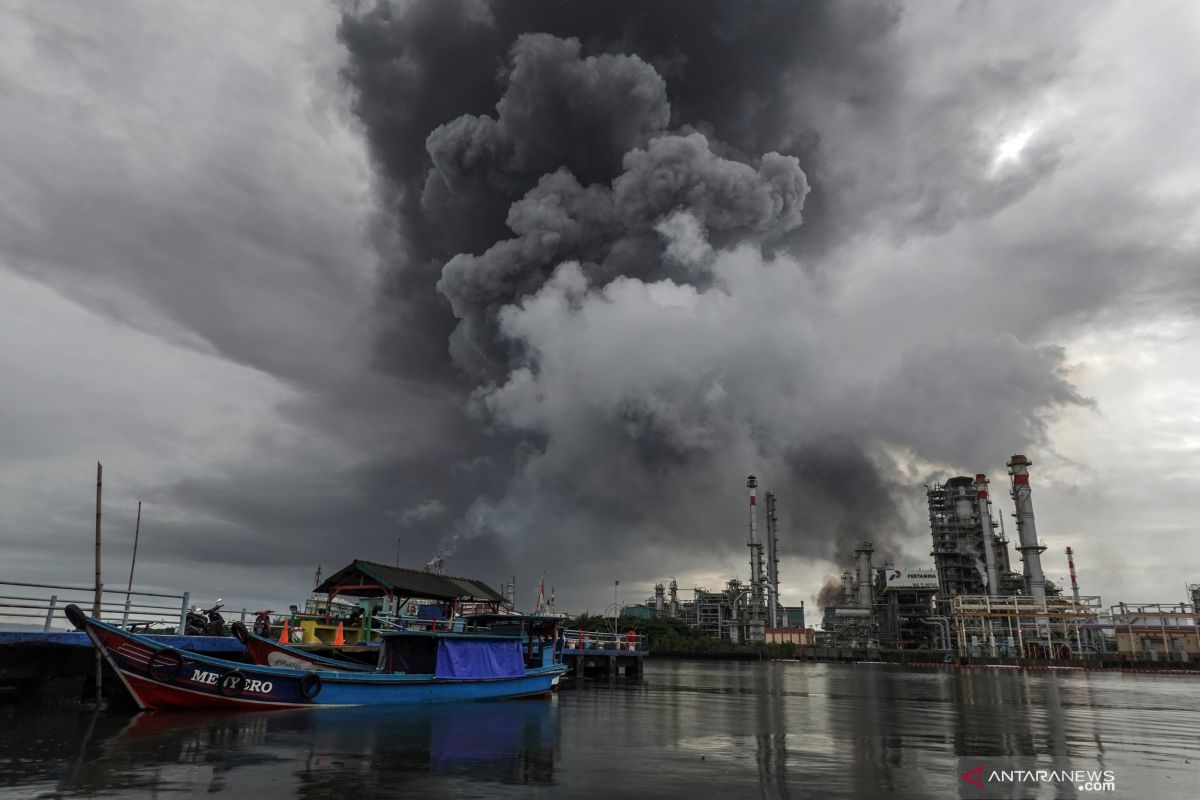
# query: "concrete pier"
596,663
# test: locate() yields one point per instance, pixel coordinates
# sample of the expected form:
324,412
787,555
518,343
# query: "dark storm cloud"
629,176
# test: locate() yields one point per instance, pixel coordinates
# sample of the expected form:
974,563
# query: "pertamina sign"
912,579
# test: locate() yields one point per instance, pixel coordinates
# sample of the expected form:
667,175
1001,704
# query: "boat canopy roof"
532,622
369,579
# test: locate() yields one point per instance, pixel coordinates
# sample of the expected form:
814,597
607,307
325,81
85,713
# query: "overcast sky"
538,285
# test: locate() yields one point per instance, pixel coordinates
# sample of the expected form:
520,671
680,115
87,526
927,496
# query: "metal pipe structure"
674,599
658,599
1030,549
756,566
848,586
772,563
851,612
862,563
1074,581
985,523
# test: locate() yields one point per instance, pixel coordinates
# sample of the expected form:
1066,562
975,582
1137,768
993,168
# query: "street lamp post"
616,610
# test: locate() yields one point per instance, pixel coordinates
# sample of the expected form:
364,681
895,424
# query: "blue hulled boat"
415,667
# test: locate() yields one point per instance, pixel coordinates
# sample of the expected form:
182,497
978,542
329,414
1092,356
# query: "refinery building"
983,596
976,602
740,612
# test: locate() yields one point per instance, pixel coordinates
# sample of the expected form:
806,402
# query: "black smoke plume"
602,228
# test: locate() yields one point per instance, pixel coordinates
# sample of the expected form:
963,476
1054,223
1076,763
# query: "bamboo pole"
99,484
137,527
99,585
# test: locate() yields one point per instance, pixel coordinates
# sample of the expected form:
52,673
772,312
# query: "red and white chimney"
985,523
1030,549
1074,581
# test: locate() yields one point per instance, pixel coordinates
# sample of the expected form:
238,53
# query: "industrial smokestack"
1030,549
674,588
772,563
1074,581
756,565
862,562
658,600
847,587
985,522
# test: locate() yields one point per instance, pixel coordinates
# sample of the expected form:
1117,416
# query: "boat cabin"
453,655
538,634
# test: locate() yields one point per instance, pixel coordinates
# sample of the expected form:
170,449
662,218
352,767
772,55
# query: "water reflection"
310,753
691,729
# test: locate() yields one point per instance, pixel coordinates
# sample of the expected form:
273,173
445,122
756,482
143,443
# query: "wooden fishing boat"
415,667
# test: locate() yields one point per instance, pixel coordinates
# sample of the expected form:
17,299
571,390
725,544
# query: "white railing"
602,640
45,602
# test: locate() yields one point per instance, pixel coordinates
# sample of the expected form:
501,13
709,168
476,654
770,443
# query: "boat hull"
160,678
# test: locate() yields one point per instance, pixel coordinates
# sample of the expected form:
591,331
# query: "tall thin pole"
616,610
137,529
1074,581
99,586
99,484
772,564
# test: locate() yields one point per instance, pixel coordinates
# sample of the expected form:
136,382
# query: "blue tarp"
430,611
466,658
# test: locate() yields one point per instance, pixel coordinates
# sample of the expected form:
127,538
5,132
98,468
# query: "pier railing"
43,603
602,640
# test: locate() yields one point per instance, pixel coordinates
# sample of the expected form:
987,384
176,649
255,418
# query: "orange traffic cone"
283,635
339,639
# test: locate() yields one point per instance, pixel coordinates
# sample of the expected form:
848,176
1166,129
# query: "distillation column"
862,562
772,563
1030,549
985,522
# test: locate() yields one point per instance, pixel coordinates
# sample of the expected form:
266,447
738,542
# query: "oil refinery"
972,603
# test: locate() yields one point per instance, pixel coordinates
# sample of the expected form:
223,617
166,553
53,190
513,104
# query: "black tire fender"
165,664
76,616
310,685
232,683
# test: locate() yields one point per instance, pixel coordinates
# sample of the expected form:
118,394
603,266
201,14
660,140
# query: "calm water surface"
691,729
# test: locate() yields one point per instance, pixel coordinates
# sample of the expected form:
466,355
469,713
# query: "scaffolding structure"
721,615
903,612
849,627
1029,627
959,549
